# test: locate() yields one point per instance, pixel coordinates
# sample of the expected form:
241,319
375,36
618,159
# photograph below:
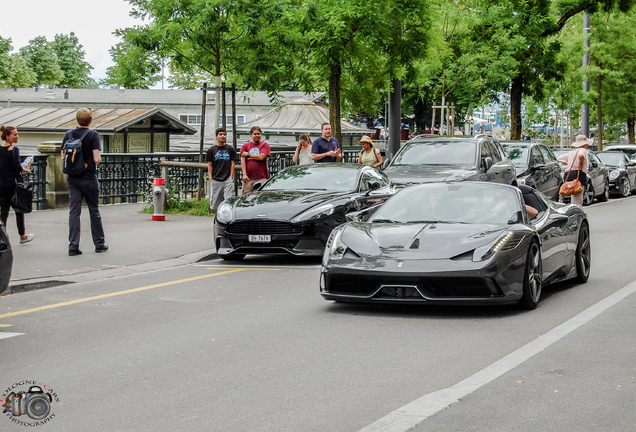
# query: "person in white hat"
577,164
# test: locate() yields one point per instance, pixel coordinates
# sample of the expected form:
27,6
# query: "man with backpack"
81,148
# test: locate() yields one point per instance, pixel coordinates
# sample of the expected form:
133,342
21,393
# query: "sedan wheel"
588,194
532,279
626,188
583,254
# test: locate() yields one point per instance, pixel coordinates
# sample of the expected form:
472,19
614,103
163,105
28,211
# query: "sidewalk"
136,243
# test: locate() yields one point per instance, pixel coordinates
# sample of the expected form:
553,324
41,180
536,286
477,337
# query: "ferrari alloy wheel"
605,195
625,188
532,279
583,254
232,257
588,194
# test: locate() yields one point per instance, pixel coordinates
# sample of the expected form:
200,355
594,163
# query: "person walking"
10,173
325,148
577,165
85,186
369,155
302,155
221,160
254,160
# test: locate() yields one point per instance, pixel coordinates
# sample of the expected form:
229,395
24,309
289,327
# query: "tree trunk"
334,103
599,134
516,92
630,130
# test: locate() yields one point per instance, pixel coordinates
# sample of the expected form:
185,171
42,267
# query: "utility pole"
395,117
585,111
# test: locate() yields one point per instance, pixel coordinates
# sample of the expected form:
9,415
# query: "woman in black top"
10,172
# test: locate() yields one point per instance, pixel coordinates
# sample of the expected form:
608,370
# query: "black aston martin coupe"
295,211
450,243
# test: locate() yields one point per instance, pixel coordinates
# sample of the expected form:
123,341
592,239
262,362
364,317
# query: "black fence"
127,177
37,176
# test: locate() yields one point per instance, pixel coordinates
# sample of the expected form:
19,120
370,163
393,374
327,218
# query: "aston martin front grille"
260,226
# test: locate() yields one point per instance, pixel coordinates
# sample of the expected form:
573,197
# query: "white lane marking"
4,335
408,416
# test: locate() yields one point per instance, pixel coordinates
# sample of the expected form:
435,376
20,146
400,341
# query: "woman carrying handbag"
577,165
10,174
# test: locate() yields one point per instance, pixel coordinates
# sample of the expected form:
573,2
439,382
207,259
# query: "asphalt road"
253,347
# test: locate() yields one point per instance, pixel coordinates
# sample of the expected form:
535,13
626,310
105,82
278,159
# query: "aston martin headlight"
314,213
614,174
481,255
225,213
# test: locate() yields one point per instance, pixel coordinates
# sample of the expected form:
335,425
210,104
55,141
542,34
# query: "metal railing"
37,176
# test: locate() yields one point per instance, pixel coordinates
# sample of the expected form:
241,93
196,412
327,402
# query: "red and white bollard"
158,197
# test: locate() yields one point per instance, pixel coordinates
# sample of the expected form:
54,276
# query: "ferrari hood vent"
415,244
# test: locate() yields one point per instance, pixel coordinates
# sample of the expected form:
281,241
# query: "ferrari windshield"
452,203
316,177
437,152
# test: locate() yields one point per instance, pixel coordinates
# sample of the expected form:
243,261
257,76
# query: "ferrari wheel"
588,194
625,187
532,278
233,257
605,195
583,254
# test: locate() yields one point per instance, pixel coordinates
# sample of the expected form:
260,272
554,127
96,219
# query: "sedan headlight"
486,252
225,213
314,213
614,174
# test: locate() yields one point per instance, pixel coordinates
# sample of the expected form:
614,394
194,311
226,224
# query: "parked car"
598,185
436,159
622,171
628,149
480,248
6,259
536,166
295,211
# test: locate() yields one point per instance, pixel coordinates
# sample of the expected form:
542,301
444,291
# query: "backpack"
73,163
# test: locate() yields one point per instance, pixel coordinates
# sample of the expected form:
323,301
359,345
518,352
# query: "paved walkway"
136,244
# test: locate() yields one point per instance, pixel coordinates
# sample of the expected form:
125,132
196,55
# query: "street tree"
41,58
14,70
523,32
70,58
135,66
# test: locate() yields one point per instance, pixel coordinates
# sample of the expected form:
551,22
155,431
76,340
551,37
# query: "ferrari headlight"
479,254
614,174
335,247
225,213
314,213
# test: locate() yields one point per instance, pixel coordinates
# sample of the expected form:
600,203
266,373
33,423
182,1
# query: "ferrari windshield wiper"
384,220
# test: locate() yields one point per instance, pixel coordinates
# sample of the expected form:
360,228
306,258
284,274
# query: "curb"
26,285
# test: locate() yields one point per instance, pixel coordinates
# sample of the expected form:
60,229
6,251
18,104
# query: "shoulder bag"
572,187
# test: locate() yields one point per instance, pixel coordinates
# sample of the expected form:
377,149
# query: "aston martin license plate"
260,238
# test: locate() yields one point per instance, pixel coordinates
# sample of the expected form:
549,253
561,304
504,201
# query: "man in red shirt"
254,160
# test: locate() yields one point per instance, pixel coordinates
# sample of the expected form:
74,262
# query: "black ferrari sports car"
295,211
450,243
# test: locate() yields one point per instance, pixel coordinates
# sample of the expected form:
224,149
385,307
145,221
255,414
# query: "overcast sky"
92,21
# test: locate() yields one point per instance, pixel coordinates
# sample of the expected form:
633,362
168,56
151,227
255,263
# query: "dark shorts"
572,175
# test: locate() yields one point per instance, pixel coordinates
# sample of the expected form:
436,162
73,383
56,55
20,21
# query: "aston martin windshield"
314,178
437,153
452,203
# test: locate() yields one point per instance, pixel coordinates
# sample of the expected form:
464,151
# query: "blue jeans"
86,188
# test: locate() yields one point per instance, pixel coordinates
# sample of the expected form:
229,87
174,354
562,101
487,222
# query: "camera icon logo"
34,403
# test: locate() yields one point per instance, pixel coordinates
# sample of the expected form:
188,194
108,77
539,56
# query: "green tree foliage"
135,66
42,60
70,58
14,70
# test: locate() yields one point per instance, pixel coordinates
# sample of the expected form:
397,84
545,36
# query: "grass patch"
192,207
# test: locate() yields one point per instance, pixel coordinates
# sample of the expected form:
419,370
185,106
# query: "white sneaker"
28,238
